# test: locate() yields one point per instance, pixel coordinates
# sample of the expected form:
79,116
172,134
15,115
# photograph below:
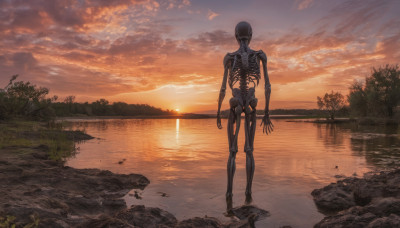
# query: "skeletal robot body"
242,73
244,70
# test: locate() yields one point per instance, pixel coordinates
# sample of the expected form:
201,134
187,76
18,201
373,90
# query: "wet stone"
142,216
249,211
372,201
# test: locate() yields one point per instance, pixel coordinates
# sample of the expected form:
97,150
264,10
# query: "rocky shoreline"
371,201
40,192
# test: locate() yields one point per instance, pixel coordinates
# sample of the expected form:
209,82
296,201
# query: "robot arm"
223,89
268,126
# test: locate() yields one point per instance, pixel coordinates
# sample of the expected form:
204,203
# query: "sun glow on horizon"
123,52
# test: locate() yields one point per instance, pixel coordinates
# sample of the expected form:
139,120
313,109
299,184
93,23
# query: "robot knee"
248,151
232,153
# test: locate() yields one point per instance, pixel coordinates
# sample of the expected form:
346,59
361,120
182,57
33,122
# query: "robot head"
243,31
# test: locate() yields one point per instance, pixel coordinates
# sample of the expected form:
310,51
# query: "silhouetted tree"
357,99
69,100
99,107
332,103
25,100
380,95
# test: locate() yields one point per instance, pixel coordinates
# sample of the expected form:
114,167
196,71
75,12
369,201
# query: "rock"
137,196
249,211
208,222
334,197
384,206
346,219
339,176
105,221
357,191
114,205
389,222
83,205
142,216
380,212
163,194
372,201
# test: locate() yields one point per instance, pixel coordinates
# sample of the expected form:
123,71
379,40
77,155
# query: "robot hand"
268,126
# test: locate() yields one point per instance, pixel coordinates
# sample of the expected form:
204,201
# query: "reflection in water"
185,161
177,129
379,145
331,134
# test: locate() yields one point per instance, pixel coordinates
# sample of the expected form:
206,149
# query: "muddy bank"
35,189
59,196
372,201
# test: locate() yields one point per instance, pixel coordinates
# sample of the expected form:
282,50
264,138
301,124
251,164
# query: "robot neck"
244,46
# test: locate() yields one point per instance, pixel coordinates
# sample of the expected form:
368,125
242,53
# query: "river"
185,161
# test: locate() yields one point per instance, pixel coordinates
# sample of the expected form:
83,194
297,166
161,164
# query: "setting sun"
177,109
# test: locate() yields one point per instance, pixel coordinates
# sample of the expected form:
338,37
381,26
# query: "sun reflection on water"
177,130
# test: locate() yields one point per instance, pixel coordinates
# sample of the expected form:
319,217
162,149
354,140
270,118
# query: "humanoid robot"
242,67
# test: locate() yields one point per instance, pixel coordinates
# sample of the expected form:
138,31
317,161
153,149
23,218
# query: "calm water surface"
185,161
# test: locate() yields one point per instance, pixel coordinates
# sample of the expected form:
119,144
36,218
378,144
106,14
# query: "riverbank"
39,191
324,120
371,201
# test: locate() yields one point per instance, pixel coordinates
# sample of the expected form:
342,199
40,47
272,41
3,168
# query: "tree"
357,99
100,107
69,100
331,102
25,99
380,95
383,90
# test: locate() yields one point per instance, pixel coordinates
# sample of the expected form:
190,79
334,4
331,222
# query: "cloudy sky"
169,53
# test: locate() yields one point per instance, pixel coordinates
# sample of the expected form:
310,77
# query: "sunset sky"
169,53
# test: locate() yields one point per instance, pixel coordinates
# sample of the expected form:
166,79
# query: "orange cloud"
122,50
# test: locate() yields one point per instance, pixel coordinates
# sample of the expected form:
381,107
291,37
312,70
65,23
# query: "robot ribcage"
244,75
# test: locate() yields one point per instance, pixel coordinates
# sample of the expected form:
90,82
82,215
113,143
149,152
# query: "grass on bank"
22,136
8,221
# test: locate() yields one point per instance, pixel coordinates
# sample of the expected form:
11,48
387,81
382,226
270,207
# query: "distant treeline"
21,99
103,108
302,112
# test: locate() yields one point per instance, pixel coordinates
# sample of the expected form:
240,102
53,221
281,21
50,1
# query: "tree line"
26,100
378,96
102,107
